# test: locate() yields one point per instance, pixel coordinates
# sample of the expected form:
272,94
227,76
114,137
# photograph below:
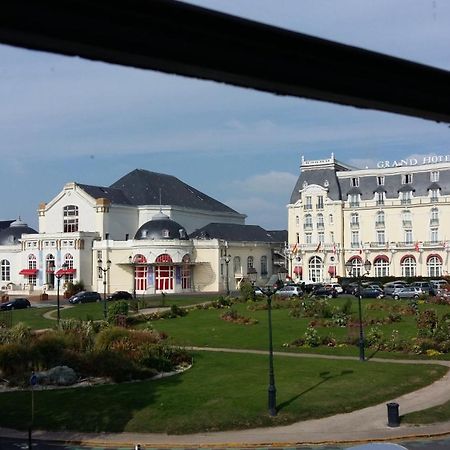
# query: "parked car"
258,291
389,288
337,287
371,292
407,292
351,288
326,290
426,287
85,297
439,285
17,303
119,295
289,291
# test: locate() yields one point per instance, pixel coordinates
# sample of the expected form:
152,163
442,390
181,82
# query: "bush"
247,292
14,359
48,350
311,337
108,336
115,309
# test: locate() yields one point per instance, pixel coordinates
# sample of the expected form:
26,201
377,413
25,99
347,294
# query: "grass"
440,413
33,317
221,391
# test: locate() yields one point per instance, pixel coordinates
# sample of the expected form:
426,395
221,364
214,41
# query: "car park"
407,292
85,297
439,285
426,287
371,292
337,287
289,291
119,295
16,303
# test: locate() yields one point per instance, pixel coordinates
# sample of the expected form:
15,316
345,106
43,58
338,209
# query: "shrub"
311,337
14,359
247,292
232,316
115,309
48,349
426,322
347,307
108,336
374,337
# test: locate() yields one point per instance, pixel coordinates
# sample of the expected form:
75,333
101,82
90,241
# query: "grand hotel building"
396,216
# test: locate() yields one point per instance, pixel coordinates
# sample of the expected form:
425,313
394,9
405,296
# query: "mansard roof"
234,232
116,196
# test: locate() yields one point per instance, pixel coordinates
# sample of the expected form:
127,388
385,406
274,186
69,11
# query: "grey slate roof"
116,196
279,235
233,232
12,234
5,224
339,188
142,187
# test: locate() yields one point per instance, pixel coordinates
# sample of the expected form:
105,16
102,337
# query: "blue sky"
66,119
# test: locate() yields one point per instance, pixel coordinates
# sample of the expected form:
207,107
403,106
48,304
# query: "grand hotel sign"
414,161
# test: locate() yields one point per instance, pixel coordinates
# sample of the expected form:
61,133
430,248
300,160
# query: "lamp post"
104,271
227,260
351,269
59,274
289,256
271,391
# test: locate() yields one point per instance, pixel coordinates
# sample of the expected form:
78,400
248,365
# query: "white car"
337,287
407,292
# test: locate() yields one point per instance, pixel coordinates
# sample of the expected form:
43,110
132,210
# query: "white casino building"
152,232
397,216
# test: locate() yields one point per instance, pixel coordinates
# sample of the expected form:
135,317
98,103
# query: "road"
15,444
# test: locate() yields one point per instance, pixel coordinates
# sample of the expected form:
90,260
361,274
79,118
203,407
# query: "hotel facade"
397,216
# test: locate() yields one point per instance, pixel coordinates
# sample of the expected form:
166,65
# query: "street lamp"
227,260
104,272
59,274
351,269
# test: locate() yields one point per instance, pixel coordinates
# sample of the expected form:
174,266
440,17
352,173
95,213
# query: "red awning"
332,270
62,272
28,272
298,270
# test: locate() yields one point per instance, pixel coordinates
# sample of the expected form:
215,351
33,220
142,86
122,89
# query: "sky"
67,119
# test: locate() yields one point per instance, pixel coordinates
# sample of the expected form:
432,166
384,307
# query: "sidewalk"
368,424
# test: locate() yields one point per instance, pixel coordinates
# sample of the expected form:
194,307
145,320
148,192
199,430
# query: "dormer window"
380,181
434,176
354,182
165,233
407,178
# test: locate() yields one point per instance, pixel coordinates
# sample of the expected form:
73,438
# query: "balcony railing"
433,244
319,206
307,226
307,206
434,222
355,245
380,224
353,204
407,223
378,244
354,225
320,226
434,199
379,202
405,201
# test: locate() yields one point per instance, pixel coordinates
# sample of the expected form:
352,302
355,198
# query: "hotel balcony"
380,224
307,226
354,225
405,201
353,204
434,222
308,207
433,244
378,244
320,226
407,223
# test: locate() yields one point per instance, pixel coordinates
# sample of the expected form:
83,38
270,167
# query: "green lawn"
221,391
33,317
439,413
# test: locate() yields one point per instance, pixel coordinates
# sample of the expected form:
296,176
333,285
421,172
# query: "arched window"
379,218
140,273
263,265
381,266
408,265
31,261
315,267
250,262
434,266
308,221
70,216
68,261
357,266
164,258
237,264
6,270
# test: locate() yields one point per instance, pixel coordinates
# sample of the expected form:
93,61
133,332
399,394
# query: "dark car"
371,292
119,295
325,291
85,297
17,303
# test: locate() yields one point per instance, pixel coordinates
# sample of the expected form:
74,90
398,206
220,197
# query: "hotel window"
405,197
434,266
308,238
297,236
434,195
330,219
380,181
331,237
353,199
379,198
379,219
308,222
6,270
434,176
381,237
237,264
354,219
355,239
408,265
381,267
297,220
407,178
406,218
319,202
434,218
354,182
308,202
250,263
320,222
434,235
70,215
408,237
321,236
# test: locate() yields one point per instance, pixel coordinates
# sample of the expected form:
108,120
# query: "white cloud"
273,182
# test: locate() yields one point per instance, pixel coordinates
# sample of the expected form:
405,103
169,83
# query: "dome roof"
161,227
12,234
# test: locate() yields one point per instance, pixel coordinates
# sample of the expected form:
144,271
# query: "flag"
360,248
334,249
318,246
294,248
416,246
